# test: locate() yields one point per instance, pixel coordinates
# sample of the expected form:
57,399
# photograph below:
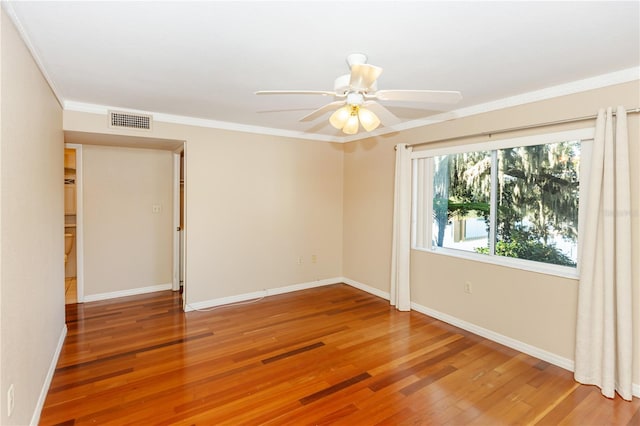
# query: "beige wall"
533,308
255,204
31,227
126,244
368,211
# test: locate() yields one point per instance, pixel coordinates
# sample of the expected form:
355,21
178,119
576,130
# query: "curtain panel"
401,244
604,347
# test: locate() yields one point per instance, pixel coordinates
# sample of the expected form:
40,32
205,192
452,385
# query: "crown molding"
238,127
618,77
8,8
597,82
199,122
610,79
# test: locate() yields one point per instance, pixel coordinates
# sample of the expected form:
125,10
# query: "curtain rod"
514,129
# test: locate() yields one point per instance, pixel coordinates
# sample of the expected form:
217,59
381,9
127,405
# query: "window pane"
537,216
461,194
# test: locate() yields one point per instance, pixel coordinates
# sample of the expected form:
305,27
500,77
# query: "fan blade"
427,96
386,117
296,92
322,110
363,76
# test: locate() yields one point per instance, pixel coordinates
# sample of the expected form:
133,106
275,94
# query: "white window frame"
422,197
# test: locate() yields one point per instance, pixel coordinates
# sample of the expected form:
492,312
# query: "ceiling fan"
356,98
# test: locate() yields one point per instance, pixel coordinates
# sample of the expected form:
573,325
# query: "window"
513,202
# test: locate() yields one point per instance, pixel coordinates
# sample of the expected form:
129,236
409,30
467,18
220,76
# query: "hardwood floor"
329,355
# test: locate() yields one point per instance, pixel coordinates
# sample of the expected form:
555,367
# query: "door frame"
179,235
79,223
175,283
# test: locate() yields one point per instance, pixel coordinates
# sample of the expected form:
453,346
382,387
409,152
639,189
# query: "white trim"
578,86
224,301
518,345
286,289
35,418
8,7
550,357
124,293
79,222
238,127
526,348
591,83
302,286
260,294
201,122
176,223
371,290
585,134
183,236
507,262
493,201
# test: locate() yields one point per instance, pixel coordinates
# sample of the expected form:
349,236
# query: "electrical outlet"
10,400
467,287
299,260
314,258
156,208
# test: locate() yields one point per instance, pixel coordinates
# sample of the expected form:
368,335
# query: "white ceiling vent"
125,120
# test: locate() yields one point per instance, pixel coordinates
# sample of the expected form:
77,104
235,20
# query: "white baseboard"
549,357
371,290
536,352
526,348
259,294
562,362
130,292
35,419
303,286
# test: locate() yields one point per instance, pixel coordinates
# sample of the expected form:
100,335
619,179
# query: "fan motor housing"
355,98
342,85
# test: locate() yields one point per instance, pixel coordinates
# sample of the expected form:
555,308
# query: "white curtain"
604,347
400,296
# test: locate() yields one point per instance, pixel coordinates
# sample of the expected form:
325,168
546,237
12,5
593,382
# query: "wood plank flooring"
329,355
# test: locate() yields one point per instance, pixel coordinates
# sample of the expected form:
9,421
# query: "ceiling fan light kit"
350,92
339,118
348,118
368,119
351,127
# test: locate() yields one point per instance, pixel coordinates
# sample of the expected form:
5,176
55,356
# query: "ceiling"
204,60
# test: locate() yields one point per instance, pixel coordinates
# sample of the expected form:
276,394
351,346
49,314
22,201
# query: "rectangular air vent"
125,120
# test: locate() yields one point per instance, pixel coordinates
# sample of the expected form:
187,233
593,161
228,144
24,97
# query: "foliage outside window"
516,202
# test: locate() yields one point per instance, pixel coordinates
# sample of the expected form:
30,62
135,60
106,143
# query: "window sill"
525,265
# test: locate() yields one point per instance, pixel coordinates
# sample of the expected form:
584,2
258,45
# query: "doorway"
179,223
73,281
77,141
